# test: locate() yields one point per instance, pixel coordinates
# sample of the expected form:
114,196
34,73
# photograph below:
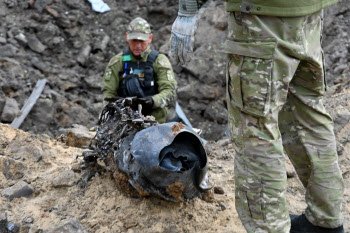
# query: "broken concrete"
11,168
10,110
66,178
69,225
20,189
79,136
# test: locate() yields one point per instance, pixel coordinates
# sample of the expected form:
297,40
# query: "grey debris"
84,54
21,39
79,136
20,189
67,178
41,4
10,168
35,44
10,110
8,50
3,40
69,225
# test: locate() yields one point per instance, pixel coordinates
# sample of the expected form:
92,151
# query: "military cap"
138,29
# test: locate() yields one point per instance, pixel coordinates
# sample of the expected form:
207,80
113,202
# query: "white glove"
182,39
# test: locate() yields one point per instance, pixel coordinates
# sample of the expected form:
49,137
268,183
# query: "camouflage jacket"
165,80
281,8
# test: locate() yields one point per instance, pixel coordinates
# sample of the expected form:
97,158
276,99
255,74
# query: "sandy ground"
101,207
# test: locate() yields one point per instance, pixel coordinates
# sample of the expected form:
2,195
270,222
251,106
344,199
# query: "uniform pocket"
249,75
250,204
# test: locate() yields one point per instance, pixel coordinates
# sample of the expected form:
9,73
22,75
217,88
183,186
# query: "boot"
300,224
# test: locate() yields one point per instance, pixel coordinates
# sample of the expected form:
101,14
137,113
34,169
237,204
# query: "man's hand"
182,39
147,105
182,32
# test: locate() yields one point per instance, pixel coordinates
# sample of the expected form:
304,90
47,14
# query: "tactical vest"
138,77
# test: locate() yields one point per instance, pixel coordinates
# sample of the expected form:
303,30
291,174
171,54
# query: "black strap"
152,57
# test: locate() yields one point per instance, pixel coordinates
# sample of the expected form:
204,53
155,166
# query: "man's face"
138,46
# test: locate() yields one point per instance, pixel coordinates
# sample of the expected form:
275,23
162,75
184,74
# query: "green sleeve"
111,77
166,82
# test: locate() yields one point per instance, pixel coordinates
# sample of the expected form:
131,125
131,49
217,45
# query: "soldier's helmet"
166,160
138,29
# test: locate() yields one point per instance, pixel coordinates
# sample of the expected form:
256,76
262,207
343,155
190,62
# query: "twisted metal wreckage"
146,158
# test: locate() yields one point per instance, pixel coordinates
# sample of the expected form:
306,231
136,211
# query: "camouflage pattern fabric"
281,8
138,29
165,79
275,86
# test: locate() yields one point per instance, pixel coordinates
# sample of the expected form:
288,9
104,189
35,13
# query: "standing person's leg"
307,132
258,75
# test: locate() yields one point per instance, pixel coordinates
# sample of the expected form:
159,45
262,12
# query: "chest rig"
138,77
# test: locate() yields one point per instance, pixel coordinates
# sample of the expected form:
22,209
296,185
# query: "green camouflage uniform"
164,100
275,86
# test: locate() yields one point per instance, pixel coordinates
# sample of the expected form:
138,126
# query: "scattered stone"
21,39
208,196
8,50
11,168
10,110
340,68
79,136
218,190
223,142
20,189
221,206
84,55
342,117
26,149
216,112
3,181
52,12
35,44
3,40
67,178
39,65
64,21
12,228
100,45
76,167
41,4
28,219
130,224
69,225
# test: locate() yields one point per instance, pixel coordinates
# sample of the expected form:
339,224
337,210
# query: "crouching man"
141,72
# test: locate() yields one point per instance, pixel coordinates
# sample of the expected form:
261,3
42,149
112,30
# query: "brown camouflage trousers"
275,87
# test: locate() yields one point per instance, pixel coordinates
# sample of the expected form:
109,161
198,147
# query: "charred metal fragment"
165,160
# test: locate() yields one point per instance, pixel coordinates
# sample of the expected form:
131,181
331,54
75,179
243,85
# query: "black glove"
132,102
147,104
